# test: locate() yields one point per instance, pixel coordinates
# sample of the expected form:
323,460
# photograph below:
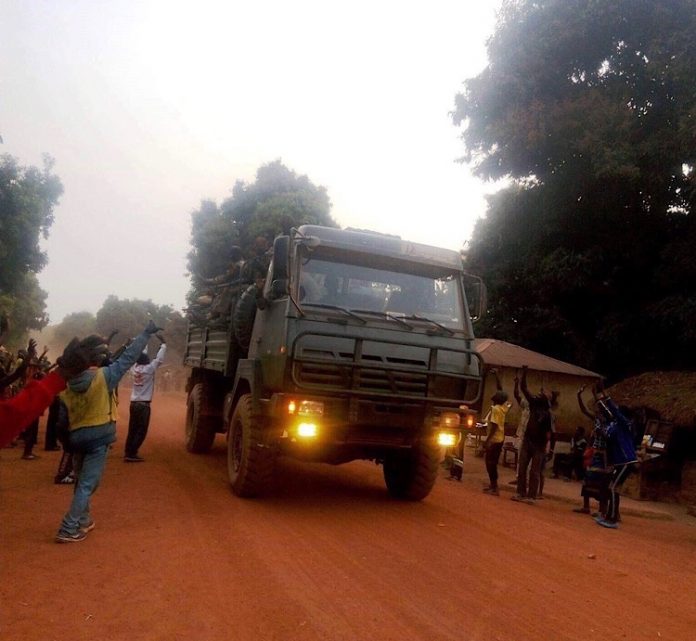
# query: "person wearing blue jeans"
92,409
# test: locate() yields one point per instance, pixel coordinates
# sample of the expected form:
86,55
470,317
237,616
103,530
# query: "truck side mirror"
476,297
279,289
281,259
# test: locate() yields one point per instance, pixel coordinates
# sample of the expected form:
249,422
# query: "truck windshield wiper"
431,321
345,310
383,315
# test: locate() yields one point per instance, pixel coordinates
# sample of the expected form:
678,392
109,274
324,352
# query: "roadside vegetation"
587,113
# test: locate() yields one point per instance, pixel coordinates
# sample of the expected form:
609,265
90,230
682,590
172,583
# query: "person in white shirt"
143,374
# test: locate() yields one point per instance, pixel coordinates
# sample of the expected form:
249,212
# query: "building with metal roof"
499,353
544,372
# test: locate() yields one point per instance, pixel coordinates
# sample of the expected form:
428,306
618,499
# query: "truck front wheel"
249,462
200,428
411,475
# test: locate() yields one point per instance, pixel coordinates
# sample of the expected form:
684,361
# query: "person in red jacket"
20,410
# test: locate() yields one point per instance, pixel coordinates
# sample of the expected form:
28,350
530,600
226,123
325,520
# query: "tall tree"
277,200
80,324
28,196
129,316
587,108
26,308
175,327
212,239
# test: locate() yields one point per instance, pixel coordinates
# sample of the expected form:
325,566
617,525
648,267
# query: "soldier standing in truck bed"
222,287
255,267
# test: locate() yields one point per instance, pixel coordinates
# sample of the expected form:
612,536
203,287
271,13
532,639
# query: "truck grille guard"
371,376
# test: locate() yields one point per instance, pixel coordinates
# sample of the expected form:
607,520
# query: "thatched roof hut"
671,394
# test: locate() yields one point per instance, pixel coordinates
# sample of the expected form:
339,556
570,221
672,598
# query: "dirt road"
328,555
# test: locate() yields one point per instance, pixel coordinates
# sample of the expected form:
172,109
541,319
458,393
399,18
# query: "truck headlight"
446,439
449,420
310,408
306,408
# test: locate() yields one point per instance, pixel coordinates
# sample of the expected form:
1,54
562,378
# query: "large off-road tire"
250,463
411,475
200,424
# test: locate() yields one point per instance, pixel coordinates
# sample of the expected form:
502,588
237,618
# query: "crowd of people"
16,371
601,463
80,390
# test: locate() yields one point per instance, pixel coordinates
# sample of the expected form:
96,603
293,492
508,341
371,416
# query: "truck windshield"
370,289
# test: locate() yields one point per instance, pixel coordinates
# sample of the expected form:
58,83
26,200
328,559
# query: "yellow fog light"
446,439
449,420
470,420
307,430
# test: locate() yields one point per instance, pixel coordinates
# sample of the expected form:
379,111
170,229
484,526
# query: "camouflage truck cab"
361,347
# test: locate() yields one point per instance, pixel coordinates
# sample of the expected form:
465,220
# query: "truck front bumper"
321,420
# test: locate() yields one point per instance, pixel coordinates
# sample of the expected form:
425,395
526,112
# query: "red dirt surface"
328,555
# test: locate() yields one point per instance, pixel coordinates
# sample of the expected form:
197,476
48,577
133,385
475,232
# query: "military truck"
357,345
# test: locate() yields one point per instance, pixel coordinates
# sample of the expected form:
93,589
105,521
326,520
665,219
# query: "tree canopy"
80,324
127,315
28,196
277,200
588,110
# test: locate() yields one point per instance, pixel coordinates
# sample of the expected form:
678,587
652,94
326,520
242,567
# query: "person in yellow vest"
92,409
495,434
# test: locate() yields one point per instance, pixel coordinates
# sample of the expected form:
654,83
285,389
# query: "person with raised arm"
20,410
92,409
535,444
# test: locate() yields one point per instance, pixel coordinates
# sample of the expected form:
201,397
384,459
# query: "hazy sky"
150,106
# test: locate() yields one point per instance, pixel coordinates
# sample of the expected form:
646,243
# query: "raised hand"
79,355
152,328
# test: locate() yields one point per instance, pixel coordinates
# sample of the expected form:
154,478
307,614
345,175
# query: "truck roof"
375,243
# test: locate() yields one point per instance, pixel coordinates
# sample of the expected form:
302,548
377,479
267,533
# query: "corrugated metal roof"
499,353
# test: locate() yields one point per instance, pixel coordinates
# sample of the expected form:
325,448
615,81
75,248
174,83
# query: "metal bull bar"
351,372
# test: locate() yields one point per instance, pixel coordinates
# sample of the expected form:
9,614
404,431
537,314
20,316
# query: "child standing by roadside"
595,483
495,434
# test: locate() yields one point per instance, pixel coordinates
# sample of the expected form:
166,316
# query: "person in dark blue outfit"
621,454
